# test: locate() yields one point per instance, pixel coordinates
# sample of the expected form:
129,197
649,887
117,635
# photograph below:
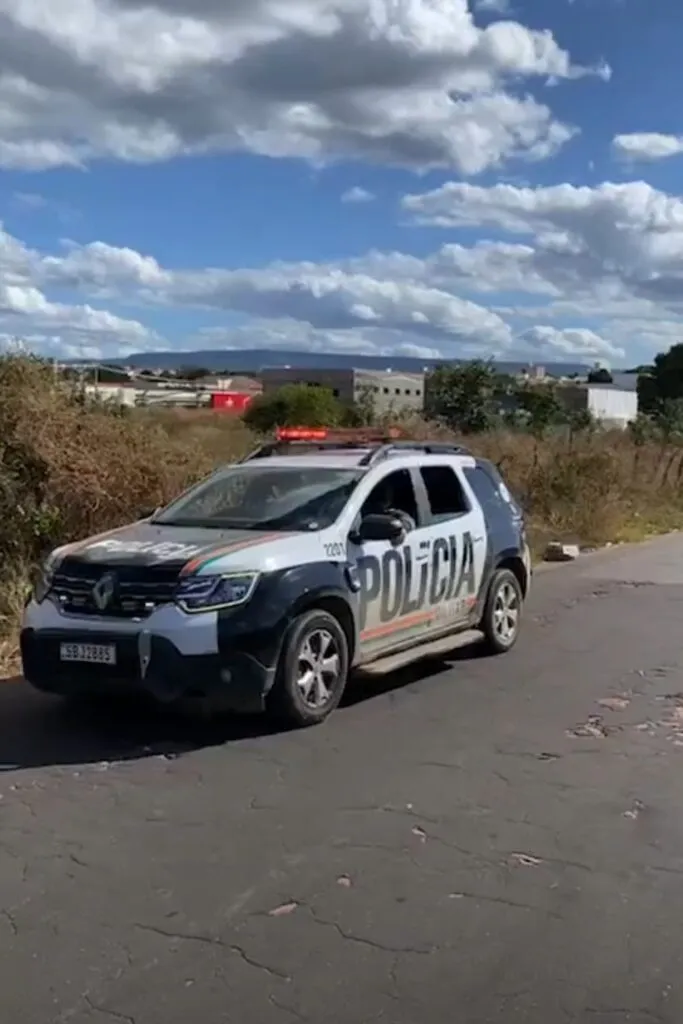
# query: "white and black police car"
265,585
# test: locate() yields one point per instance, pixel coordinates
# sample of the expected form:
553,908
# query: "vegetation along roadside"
70,467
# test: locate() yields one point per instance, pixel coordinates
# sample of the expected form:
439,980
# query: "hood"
145,544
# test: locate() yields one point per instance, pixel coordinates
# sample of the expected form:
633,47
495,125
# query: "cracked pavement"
475,839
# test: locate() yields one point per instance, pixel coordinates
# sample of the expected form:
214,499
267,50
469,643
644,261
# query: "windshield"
254,497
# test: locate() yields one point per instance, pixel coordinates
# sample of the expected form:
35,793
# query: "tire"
502,612
311,635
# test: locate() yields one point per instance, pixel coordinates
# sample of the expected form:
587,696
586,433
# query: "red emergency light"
300,434
342,435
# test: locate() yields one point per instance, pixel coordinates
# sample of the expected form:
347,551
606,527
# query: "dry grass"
67,471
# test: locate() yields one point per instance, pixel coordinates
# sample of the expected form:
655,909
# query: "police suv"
265,585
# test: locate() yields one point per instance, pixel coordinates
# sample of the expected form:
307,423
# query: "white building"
611,405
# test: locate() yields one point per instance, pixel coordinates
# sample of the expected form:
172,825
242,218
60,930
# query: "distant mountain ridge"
251,361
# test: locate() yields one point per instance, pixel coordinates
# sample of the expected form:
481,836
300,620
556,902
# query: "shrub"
295,405
69,468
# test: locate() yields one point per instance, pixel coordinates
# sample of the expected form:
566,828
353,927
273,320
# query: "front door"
391,606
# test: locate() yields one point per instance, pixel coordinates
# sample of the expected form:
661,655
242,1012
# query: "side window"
445,493
394,491
485,489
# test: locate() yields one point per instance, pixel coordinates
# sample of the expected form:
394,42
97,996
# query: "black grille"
138,590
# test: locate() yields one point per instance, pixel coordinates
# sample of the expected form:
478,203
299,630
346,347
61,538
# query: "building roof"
620,382
626,386
625,381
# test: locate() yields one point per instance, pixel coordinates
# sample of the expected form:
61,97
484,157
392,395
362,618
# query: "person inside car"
384,501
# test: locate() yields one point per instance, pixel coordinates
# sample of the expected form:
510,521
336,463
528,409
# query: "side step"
435,649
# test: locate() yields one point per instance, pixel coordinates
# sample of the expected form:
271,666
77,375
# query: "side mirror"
380,526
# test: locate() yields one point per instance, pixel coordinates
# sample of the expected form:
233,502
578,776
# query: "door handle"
478,540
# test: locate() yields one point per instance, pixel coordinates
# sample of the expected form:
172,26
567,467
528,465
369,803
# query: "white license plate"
97,654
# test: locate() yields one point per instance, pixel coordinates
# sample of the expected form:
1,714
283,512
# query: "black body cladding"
258,628
505,531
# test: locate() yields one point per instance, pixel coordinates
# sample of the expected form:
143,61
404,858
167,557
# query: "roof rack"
385,451
380,444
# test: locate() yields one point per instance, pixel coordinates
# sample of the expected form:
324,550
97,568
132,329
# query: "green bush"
295,405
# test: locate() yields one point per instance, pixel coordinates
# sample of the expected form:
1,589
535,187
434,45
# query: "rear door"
503,516
457,544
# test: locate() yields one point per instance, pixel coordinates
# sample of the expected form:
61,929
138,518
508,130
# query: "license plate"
97,654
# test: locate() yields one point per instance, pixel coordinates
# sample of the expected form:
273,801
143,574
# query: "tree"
541,407
364,412
600,375
295,405
664,381
669,418
582,420
466,398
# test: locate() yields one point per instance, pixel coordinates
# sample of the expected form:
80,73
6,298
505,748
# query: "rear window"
446,496
490,488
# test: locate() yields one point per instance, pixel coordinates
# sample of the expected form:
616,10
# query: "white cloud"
357,195
28,304
57,327
102,269
569,343
144,81
614,241
647,147
392,293
591,272
334,298
493,6
382,303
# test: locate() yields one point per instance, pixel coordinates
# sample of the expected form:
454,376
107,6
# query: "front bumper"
169,656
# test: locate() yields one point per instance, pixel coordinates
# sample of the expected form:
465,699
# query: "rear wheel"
313,670
503,612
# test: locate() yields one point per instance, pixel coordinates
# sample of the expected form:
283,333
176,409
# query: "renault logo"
103,591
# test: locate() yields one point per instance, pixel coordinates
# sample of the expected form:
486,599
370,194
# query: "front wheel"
503,612
312,671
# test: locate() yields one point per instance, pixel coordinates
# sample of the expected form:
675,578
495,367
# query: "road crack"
10,920
364,941
214,940
505,902
287,1009
108,1013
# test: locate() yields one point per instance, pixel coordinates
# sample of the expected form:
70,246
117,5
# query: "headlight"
209,593
44,578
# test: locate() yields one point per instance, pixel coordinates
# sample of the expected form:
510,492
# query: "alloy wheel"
506,611
318,668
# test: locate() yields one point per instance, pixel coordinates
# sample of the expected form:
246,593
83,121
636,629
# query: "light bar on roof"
341,435
301,434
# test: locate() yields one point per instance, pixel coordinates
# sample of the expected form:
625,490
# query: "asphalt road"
475,841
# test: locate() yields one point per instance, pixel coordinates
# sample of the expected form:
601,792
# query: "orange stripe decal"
229,549
407,622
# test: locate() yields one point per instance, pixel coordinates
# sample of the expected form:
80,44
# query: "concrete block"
557,552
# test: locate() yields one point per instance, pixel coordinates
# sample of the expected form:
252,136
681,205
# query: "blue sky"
402,176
